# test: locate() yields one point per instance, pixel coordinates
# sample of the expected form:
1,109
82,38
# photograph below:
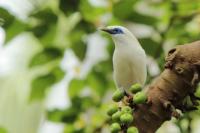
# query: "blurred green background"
56,67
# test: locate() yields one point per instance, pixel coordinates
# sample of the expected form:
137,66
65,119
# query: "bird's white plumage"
129,60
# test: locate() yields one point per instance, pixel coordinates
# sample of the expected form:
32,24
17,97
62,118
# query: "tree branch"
167,92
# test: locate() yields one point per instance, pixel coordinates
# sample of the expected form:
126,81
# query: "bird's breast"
122,70
129,68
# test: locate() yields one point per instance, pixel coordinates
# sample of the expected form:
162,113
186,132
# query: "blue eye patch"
116,31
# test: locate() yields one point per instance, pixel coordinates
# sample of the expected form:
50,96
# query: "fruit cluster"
122,116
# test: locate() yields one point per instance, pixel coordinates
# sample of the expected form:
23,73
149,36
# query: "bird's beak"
106,30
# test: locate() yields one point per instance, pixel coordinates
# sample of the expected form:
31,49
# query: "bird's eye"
117,31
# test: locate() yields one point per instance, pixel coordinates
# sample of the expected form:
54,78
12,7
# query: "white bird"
129,58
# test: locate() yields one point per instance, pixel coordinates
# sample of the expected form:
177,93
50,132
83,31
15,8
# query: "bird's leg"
167,105
126,94
129,97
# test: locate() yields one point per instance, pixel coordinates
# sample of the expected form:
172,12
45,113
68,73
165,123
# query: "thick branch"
178,80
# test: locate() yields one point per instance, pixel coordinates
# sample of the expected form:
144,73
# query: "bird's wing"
139,69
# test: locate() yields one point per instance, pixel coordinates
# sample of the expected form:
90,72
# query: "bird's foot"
176,114
126,94
168,105
128,99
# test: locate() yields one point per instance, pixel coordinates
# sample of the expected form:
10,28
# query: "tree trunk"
167,92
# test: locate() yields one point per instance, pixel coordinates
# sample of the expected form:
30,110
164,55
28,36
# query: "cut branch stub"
178,80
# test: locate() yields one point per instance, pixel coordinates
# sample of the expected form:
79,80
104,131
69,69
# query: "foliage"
69,24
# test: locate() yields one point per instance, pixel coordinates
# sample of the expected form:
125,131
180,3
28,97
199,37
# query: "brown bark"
167,92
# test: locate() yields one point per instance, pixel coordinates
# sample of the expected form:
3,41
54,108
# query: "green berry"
116,116
118,95
126,118
135,88
115,128
127,109
112,110
139,98
132,130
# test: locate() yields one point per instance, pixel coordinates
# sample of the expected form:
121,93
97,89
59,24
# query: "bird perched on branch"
129,58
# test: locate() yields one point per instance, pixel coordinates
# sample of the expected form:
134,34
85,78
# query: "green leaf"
58,73
7,17
46,21
69,6
42,83
71,128
11,25
2,21
45,56
56,115
3,130
78,45
47,39
150,46
84,27
186,8
39,86
89,12
75,86
98,83
45,15
142,18
123,9
14,29
69,115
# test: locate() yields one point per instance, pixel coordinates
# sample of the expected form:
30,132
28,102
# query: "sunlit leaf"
14,29
7,17
188,7
45,27
150,46
97,81
84,26
56,115
142,18
40,84
71,128
89,12
45,15
58,73
12,25
123,9
48,38
78,45
45,56
69,115
1,21
3,130
75,86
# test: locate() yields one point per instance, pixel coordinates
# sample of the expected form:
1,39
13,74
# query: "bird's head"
119,33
